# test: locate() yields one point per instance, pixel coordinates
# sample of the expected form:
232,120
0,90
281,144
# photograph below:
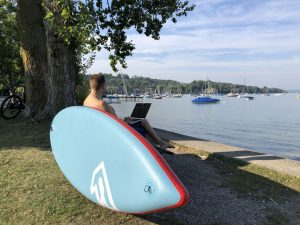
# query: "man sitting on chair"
95,100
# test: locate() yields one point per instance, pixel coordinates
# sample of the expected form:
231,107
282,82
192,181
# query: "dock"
119,99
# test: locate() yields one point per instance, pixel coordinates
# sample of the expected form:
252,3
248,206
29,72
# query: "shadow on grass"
256,181
20,133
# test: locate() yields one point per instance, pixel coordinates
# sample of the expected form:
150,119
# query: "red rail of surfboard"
184,195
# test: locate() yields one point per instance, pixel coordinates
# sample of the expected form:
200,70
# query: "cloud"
223,37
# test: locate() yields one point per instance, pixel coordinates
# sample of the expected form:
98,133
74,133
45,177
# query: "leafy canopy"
93,25
11,67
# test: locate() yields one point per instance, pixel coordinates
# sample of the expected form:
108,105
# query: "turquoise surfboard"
111,164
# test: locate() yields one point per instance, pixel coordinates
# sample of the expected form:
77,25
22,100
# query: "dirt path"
212,203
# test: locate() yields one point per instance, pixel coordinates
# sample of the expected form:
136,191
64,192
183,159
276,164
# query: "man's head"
97,84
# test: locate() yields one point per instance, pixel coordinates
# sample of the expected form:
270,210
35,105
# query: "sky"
256,42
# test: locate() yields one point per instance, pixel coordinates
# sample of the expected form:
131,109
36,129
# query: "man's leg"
149,129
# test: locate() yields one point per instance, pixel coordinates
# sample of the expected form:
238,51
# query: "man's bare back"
94,102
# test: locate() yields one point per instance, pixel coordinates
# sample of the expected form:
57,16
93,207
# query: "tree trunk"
62,66
34,55
50,65
62,79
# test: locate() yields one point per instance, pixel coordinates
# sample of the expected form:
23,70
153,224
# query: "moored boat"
157,97
177,96
249,98
148,96
204,100
243,96
232,95
246,96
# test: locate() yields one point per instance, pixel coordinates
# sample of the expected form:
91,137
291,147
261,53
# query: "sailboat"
205,100
169,93
209,90
157,93
249,97
245,94
266,92
205,97
148,93
278,94
219,91
178,95
233,93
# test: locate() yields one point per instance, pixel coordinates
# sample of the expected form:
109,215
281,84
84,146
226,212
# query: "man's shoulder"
101,102
92,102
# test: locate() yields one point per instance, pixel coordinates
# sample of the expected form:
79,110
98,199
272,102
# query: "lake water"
268,124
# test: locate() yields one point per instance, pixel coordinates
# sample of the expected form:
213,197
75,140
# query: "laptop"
139,112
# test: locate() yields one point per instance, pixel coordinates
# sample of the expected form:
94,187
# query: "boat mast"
124,85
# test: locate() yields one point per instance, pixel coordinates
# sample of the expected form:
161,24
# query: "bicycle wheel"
11,107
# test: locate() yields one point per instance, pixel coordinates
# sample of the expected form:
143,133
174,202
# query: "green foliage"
138,84
93,25
82,88
11,68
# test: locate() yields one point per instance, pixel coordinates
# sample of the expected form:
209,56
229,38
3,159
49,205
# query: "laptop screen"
140,110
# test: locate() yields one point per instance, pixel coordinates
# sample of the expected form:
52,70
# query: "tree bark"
50,65
62,66
34,55
62,71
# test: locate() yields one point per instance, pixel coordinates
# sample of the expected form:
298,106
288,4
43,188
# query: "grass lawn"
34,191
32,188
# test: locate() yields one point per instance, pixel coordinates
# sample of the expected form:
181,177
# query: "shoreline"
206,147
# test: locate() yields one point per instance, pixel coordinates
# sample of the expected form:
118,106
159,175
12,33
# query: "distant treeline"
138,84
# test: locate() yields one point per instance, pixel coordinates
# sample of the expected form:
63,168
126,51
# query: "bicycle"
13,105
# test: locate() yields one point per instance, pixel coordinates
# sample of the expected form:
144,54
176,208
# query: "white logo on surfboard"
101,187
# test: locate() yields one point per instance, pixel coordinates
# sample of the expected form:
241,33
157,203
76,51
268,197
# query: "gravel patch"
210,203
